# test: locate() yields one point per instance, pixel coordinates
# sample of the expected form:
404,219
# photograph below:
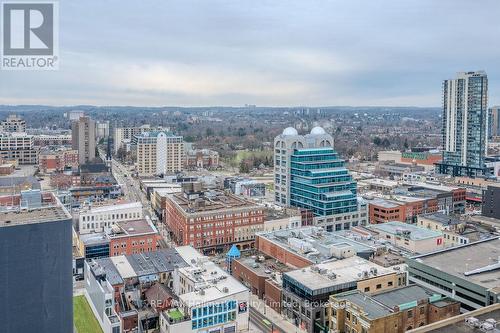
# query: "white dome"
290,131
318,130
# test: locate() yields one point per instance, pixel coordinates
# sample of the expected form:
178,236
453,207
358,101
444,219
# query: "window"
389,284
379,286
410,313
367,289
422,310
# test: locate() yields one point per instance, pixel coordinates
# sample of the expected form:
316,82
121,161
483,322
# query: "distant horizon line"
249,106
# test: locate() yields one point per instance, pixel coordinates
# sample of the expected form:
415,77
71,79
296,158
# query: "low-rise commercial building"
455,231
302,247
262,276
170,290
484,319
468,273
95,219
209,298
409,237
52,140
306,291
57,160
133,236
201,158
393,311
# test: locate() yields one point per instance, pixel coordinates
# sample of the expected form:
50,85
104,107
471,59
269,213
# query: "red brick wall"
249,278
281,254
133,244
182,228
273,295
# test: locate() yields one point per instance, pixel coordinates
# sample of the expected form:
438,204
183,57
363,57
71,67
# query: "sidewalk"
273,316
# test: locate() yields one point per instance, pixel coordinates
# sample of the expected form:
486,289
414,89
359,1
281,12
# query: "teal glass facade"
320,182
213,314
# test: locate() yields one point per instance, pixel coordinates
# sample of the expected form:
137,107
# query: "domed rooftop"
318,130
290,131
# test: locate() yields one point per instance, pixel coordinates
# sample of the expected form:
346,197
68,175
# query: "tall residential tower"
83,138
465,125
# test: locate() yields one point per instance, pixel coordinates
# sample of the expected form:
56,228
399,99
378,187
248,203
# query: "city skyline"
231,54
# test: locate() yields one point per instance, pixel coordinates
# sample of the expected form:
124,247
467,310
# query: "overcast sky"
307,52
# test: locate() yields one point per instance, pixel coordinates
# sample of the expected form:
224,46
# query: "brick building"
131,237
212,220
393,311
263,277
57,160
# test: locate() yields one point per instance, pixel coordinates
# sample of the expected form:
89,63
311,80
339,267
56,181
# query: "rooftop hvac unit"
472,321
486,327
491,321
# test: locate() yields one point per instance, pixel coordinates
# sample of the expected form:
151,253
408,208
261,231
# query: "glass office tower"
321,183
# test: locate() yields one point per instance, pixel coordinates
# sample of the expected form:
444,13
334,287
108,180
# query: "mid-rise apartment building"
47,140
159,153
124,135
19,147
13,123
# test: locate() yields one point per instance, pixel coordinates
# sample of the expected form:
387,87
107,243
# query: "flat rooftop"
211,202
46,213
457,260
147,263
315,244
401,296
372,309
112,207
457,324
348,270
265,267
387,302
131,228
384,203
442,218
396,228
165,260
94,238
106,266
